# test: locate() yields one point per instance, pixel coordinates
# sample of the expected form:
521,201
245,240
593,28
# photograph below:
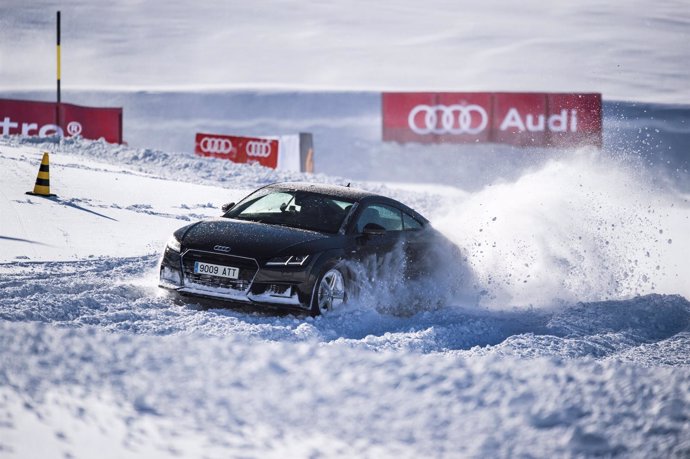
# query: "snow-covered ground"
568,350
564,333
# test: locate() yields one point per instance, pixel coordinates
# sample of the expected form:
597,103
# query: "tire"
330,291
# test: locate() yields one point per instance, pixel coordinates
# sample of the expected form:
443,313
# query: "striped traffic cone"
42,187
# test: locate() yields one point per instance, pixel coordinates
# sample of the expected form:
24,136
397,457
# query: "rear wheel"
329,292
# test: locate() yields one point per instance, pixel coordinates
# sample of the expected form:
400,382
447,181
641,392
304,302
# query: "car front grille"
247,266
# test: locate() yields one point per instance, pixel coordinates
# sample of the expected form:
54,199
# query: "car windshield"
296,209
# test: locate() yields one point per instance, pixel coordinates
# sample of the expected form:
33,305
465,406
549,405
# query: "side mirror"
228,206
373,229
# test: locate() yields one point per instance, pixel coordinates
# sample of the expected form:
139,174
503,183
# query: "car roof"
332,190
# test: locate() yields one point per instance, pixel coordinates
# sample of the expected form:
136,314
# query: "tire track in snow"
120,295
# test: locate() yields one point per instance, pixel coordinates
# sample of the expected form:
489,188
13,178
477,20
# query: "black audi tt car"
290,245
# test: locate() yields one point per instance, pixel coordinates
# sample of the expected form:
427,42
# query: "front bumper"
281,287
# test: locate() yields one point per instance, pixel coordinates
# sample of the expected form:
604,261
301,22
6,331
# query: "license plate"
216,270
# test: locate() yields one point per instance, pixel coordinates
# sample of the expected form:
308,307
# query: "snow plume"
401,285
580,228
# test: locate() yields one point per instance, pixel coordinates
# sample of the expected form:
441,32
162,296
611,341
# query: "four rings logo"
215,145
448,119
258,149
252,150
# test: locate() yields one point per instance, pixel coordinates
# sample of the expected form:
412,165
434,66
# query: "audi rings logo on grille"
258,149
215,145
222,248
448,119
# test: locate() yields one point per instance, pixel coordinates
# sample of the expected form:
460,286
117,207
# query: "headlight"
293,260
174,244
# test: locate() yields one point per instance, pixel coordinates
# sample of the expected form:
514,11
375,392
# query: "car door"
415,240
374,250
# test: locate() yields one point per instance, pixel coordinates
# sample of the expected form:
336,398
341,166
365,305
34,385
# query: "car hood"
247,239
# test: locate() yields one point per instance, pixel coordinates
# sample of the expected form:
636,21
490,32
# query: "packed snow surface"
572,338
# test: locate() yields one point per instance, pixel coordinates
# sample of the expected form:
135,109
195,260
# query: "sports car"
291,245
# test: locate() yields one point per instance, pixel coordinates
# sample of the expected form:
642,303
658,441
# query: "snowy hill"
635,52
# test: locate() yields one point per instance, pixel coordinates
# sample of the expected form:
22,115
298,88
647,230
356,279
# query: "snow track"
126,300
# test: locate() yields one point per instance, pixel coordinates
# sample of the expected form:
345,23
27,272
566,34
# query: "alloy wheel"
331,291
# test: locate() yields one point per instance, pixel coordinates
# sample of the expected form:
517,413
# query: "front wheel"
329,292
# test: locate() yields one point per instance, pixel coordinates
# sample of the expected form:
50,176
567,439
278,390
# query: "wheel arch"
327,261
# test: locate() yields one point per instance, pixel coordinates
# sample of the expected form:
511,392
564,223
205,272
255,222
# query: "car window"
297,209
270,203
410,223
386,216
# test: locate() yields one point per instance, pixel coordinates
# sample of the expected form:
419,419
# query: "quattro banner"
31,118
521,119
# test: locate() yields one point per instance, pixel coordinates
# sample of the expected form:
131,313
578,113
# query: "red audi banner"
238,149
31,118
522,119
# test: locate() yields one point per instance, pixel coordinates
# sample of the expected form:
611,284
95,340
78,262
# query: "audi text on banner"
523,119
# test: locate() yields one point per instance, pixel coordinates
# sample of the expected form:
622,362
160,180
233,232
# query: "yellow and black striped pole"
42,187
57,106
58,57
